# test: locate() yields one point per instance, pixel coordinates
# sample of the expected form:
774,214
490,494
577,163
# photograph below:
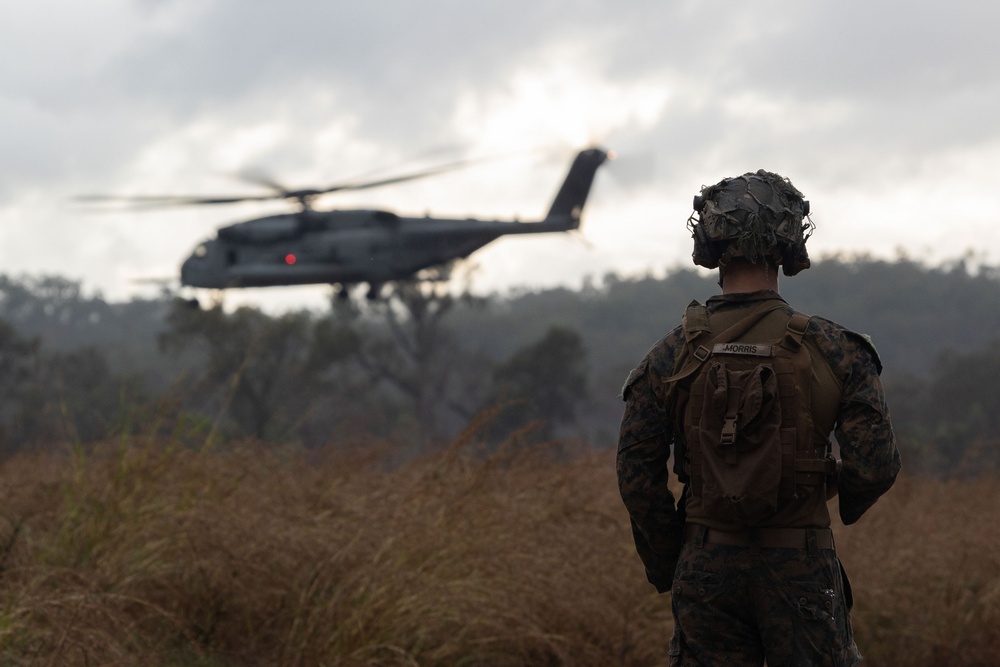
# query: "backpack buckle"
728,435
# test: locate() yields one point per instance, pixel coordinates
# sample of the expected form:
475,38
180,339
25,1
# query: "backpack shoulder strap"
697,352
796,330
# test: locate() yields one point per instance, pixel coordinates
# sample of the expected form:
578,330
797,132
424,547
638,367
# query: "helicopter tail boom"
567,207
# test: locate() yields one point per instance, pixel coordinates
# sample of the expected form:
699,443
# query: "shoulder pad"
695,321
633,376
866,341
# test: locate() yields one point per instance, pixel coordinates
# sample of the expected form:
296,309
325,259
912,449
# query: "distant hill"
912,311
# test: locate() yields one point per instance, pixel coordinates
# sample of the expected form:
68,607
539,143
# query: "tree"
257,371
404,345
544,381
18,368
962,408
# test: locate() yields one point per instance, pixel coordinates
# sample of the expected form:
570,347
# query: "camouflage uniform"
738,604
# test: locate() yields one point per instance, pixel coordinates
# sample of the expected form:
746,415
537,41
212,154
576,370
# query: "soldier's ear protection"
707,252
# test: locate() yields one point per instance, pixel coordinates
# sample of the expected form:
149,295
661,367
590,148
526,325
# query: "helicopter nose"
187,271
196,273
197,269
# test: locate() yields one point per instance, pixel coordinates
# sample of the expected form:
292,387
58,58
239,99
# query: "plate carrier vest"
748,428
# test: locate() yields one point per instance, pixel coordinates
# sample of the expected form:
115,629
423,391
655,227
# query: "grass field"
145,553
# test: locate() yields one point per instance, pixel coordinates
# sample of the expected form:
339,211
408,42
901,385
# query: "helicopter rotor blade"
280,192
156,201
260,177
402,178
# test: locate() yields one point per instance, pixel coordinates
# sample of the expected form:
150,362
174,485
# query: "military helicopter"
349,247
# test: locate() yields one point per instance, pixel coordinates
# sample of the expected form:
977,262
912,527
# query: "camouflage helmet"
757,216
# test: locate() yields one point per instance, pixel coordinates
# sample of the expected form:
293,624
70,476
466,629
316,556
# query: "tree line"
79,369
423,363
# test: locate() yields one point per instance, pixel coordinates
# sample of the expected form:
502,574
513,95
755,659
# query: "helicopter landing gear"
341,291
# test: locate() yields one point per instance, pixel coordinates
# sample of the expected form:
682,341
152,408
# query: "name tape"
752,349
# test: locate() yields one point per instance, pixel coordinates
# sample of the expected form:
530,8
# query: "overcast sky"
884,114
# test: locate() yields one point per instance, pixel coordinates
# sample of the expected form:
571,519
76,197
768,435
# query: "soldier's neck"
741,277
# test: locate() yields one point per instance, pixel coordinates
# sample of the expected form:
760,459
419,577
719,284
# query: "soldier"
748,391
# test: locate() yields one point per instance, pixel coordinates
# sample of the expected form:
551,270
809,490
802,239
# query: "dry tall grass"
147,554
925,565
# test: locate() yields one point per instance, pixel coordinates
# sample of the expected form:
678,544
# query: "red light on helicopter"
290,259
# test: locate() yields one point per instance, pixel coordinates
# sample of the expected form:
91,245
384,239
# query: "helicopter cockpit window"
201,250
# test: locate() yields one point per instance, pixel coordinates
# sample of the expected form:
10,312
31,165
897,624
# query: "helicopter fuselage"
339,247
373,246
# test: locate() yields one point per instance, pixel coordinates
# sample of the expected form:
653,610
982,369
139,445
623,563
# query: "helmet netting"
755,216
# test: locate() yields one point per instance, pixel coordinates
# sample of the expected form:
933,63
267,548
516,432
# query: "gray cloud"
837,95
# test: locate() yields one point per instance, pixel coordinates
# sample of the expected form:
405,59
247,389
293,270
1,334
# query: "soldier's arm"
864,432
643,450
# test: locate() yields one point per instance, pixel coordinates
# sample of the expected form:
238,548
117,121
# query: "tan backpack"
747,423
